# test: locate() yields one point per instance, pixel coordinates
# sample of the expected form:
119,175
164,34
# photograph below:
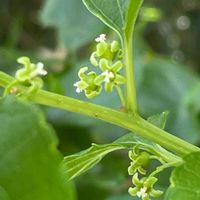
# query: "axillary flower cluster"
143,187
108,58
28,77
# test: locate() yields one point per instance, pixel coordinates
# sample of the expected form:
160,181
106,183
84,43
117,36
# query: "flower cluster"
108,58
88,83
109,51
28,76
138,162
29,70
143,188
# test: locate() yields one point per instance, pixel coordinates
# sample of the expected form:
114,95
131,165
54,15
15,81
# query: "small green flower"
110,75
27,77
138,162
29,70
87,83
108,58
108,51
144,187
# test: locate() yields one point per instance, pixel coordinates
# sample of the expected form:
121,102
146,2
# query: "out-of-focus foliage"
75,25
163,82
160,78
177,34
30,166
185,183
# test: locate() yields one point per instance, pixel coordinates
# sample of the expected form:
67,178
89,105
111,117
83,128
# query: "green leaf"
159,120
30,162
76,26
185,180
120,15
79,163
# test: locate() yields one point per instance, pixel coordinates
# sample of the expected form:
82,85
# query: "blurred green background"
61,34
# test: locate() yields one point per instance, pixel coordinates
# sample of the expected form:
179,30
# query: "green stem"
165,166
133,123
131,99
166,155
127,41
121,95
5,79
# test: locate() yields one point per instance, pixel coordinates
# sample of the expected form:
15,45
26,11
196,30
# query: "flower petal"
109,86
93,59
116,66
101,48
92,94
120,79
133,191
150,182
135,180
156,193
82,85
99,79
82,71
24,61
103,64
114,46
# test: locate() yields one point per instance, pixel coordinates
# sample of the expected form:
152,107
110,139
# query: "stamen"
101,38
